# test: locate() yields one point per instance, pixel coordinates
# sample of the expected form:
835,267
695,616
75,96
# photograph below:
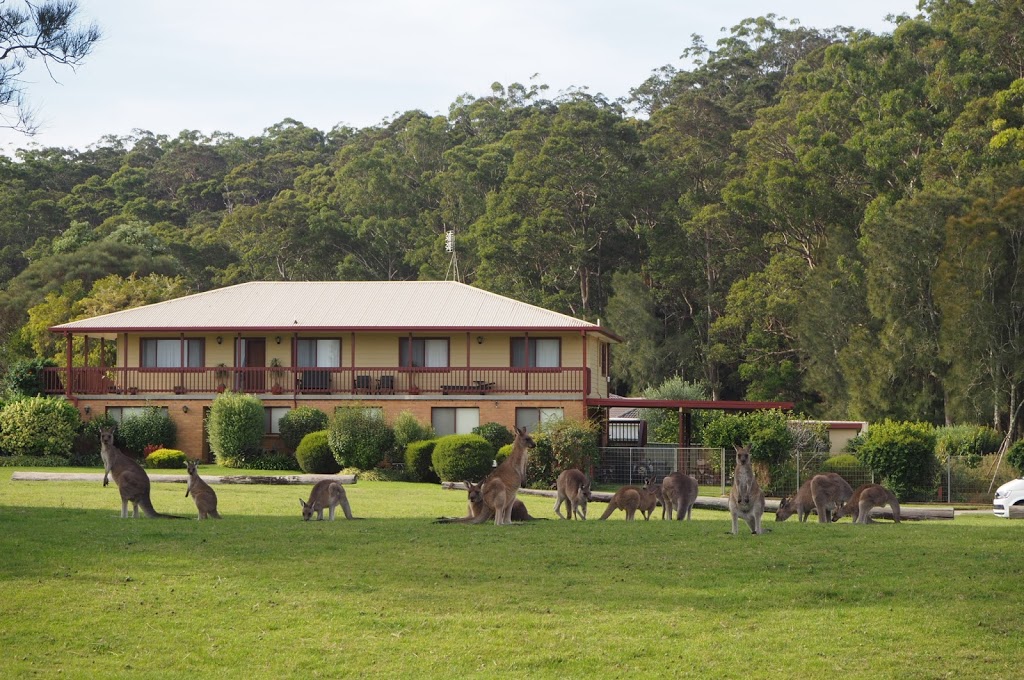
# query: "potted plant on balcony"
222,376
276,374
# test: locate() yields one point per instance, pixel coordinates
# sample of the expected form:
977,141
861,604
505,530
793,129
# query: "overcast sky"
240,66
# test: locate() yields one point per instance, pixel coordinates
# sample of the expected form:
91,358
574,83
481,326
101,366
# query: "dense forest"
829,217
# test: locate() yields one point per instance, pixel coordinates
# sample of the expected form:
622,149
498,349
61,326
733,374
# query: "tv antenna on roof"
453,263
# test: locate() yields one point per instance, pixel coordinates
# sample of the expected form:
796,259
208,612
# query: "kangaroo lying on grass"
627,498
131,480
329,494
746,499
822,493
573,489
475,507
864,499
204,497
678,494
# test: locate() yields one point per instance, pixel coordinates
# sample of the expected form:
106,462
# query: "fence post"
797,470
949,479
722,454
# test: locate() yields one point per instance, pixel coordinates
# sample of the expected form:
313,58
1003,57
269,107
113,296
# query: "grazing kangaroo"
573,489
204,497
650,493
476,507
329,494
746,499
131,480
821,495
867,497
678,494
627,498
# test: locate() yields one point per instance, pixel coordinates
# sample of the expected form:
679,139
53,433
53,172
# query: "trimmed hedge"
360,438
409,429
496,433
38,426
503,453
459,457
151,426
314,454
166,459
903,455
419,461
299,422
236,428
848,467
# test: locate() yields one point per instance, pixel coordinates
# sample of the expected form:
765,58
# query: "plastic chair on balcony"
361,384
386,384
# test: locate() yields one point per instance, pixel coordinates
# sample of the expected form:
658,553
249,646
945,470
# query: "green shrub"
541,472
574,443
969,441
269,459
235,428
299,422
85,451
166,459
902,454
25,376
34,461
848,467
38,426
663,423
314,454
459,457
360,438
1015,456
767,433
378,474
496,433
503,453
146,428
408,429
419,461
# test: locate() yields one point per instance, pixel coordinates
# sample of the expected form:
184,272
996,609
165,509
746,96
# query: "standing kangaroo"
864,499
746,499
822,493
498,490
627,498
573,489
329,494
649,495
131,480
678,494
204,497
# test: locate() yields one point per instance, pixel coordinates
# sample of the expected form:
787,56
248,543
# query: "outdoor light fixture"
479,339
184,408
219,339
88,410
278,339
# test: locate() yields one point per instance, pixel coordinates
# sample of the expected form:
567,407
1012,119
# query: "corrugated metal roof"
335,305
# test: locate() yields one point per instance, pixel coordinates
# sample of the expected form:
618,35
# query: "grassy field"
262,594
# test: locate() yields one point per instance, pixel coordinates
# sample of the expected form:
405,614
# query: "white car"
1008,495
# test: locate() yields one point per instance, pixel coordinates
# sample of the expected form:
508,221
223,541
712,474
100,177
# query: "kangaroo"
627,498
650,493
864,499
131,480
498,490
476,507
829,492
678,494
573,489
746,499
329,494
204,497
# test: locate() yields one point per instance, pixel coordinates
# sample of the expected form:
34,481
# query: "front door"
254,360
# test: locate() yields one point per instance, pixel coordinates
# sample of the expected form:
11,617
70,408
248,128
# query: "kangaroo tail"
895,506
147,509
612,507
214,514
345,506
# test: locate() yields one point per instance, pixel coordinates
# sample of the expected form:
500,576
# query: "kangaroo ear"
302,502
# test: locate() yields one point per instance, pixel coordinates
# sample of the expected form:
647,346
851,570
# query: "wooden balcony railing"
340,381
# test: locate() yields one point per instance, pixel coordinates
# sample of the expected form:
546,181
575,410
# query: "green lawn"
262,594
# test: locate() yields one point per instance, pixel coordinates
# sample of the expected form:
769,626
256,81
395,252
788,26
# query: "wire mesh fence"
959,479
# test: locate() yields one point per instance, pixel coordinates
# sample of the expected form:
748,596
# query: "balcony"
317,381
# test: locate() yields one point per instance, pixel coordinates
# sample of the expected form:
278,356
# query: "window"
454,420
318,353
423,352
166,352
119,413
530,418
536,353
272,418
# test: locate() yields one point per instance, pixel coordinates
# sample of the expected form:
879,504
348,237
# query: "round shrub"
299,422
541,469
459,457
314,454
166,459
503,453
38,426
496,433
360,438
149,427
574,443
419,461
408,429
235,428
848,467
903,455
1015,456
